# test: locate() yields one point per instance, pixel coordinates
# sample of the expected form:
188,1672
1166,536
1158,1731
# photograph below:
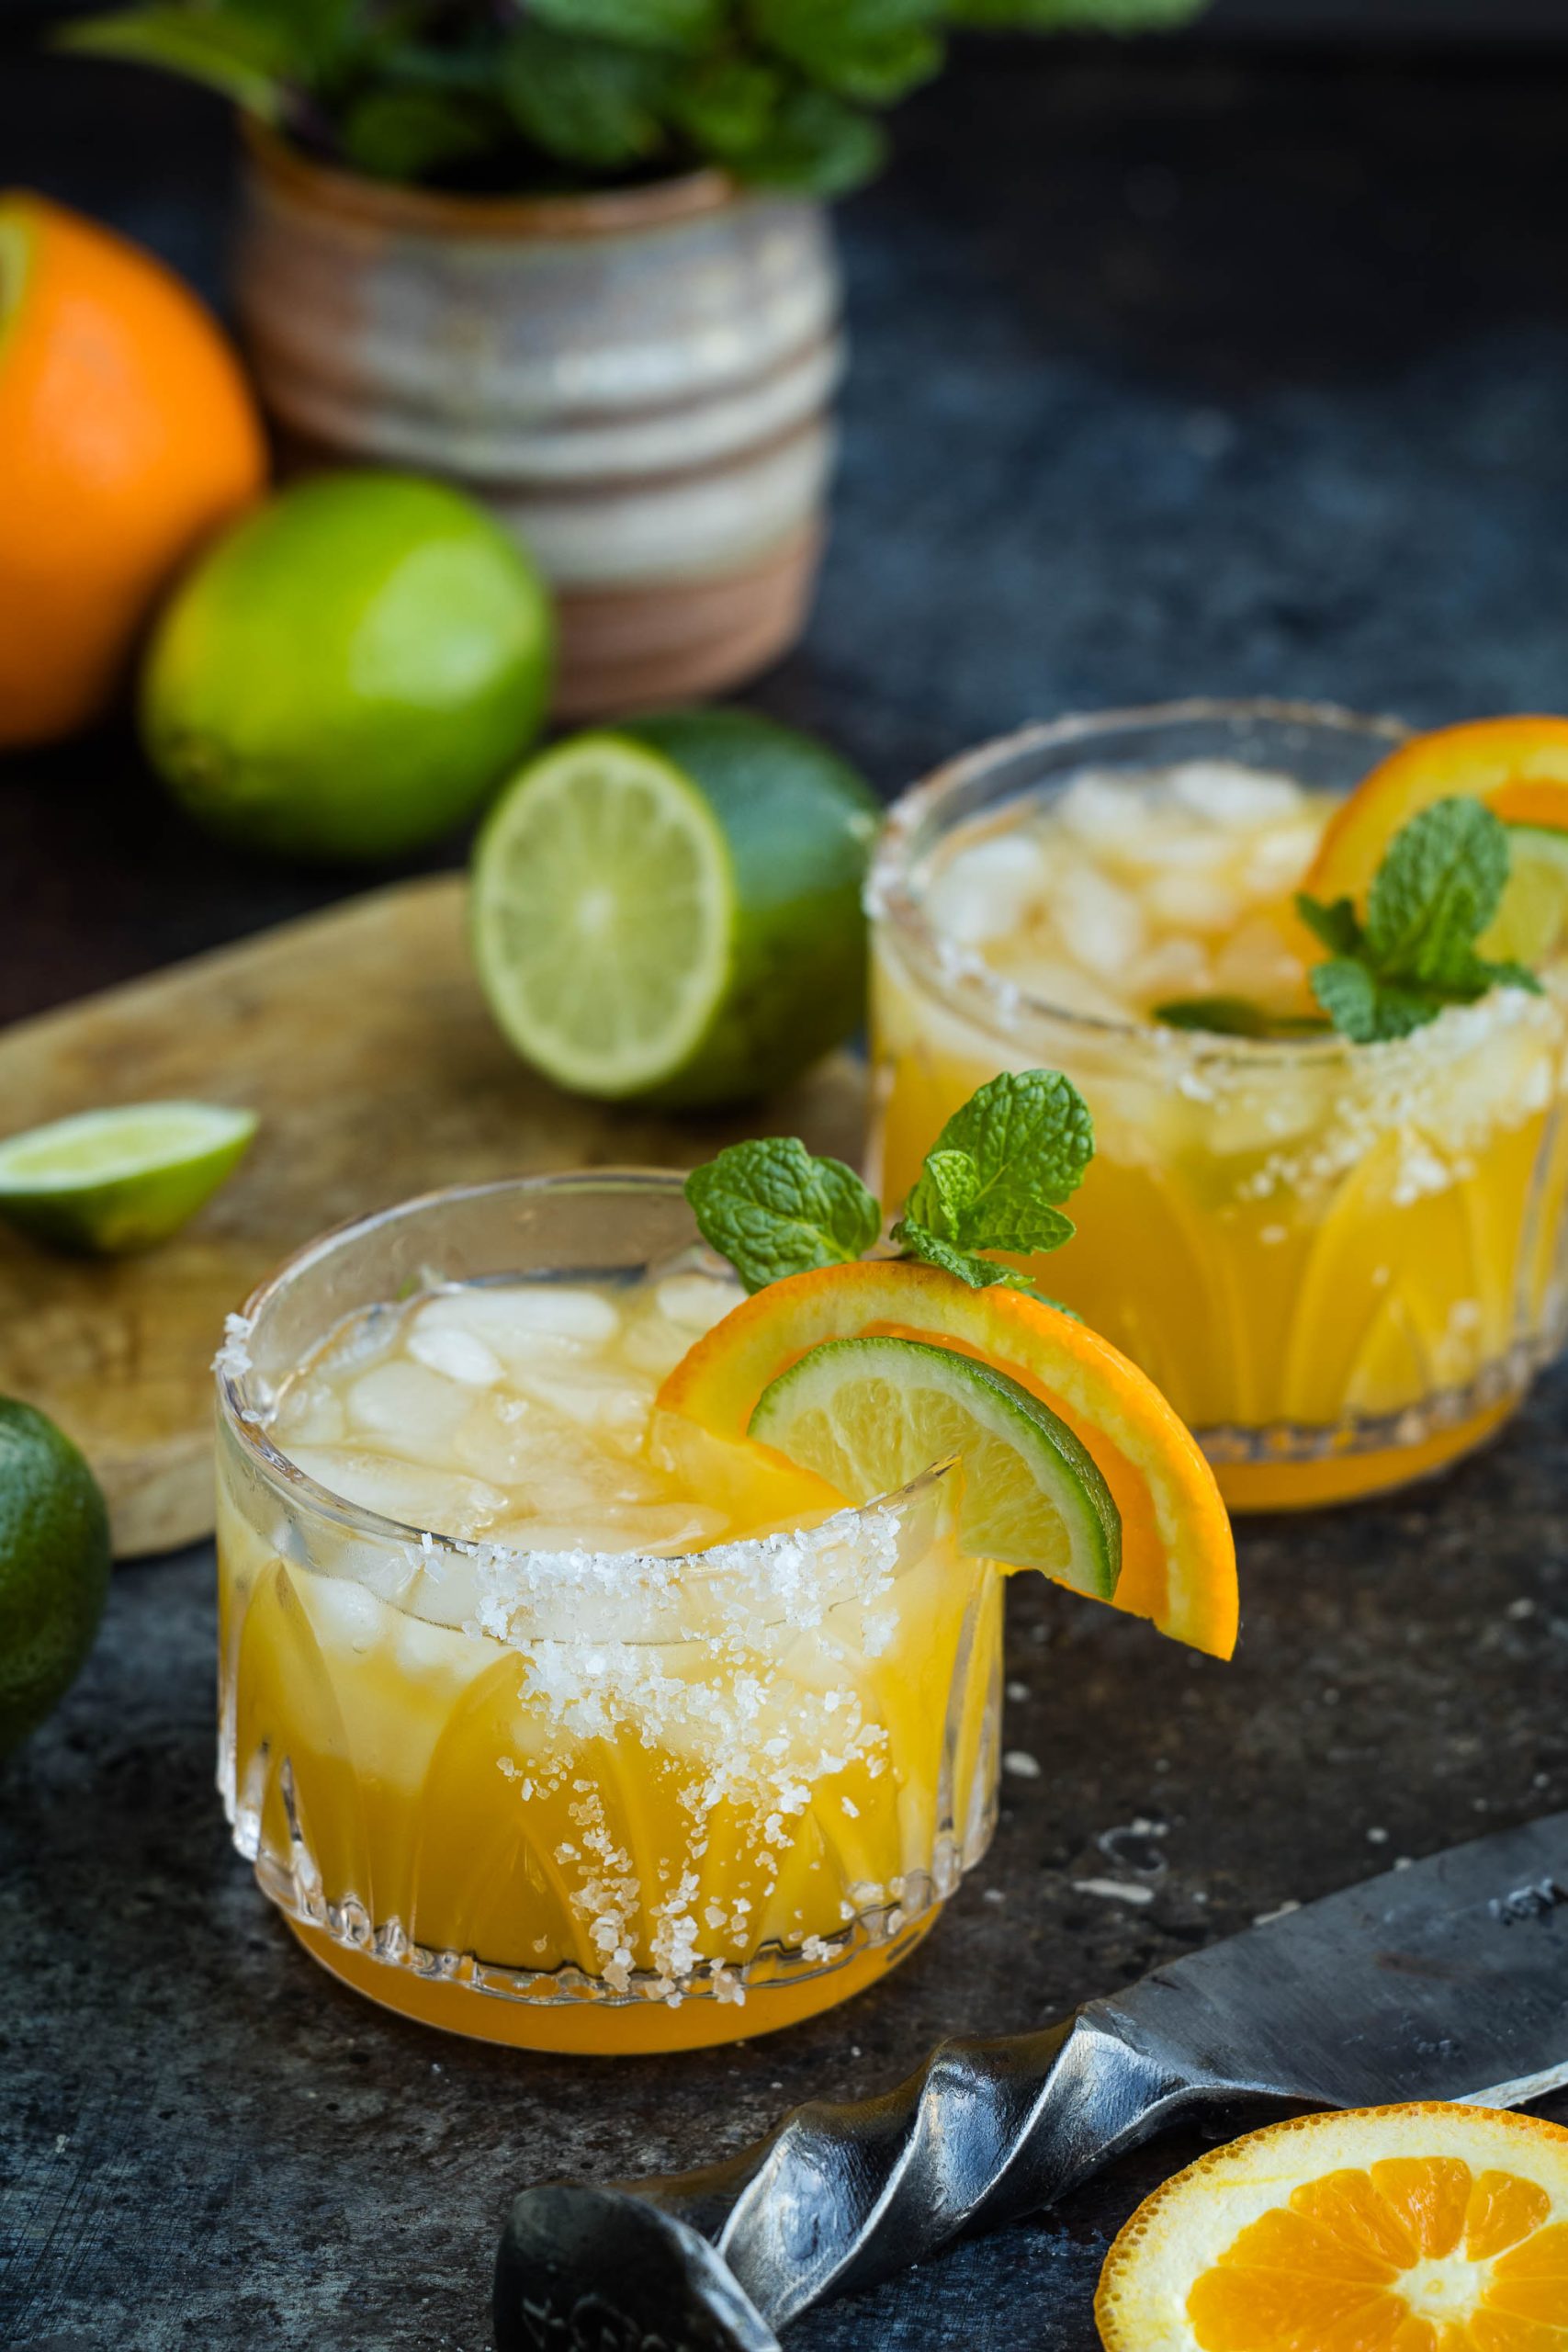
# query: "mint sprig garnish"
772,1208
1438,889
992,1180
993,1177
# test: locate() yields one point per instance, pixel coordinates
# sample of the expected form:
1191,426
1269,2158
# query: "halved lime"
54,1566
869,1415
670,911
120,1180
1531,924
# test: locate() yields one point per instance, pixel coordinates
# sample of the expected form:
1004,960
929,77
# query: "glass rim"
983,995
295,1485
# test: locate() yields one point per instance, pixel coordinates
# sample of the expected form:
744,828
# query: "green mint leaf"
943,1193
772,1209
868,51
1235,1016
248,61
1437,888
1030,1136
933,1249
1509,975
727,105
684,25
1349,994
1371,1011
587,102
991,1179
402,134
1335,925
818,144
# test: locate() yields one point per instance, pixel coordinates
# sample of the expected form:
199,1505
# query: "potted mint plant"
574,255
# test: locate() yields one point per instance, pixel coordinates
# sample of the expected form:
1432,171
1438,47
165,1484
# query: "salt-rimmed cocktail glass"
575,1799
1342,1263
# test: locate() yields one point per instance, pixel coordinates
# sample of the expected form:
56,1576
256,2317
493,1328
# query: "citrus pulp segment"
603,911
1530,925
870,1415
1424,2228
1517,766
121,1179
1177,1553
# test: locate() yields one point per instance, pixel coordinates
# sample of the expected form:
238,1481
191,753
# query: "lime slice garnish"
118,1180
1532,920
671,911
54,1566
870,1415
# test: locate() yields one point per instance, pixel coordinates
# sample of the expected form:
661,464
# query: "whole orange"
127,433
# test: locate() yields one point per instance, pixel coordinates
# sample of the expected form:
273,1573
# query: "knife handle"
838,2198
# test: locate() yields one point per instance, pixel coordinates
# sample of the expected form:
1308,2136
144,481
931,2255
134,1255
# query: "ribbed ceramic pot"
639,381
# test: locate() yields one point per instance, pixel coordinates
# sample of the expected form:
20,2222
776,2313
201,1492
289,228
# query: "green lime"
670,911
112,1180
1531,922
350,670
869,1415
54,1567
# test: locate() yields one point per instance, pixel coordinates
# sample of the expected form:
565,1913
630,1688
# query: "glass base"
777,1994
1283,1468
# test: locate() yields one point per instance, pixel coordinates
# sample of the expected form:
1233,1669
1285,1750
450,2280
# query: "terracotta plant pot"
639,383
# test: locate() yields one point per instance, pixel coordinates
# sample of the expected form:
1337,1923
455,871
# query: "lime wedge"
120,1180
869,1415
670,912
1532,921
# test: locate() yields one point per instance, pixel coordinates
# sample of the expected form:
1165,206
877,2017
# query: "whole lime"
54,1567
349,671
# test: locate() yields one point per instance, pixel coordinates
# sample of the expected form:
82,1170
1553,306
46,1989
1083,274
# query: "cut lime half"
1531,924
870,1415
602,915
670,912
120,1180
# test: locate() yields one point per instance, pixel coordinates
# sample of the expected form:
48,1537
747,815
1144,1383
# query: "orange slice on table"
1517,766
1177,1554
1382,2228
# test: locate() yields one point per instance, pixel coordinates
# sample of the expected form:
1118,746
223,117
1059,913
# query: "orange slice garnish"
1517,766
1177,1554
1384,2228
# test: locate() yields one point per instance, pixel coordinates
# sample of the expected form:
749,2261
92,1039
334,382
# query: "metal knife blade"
1446,1980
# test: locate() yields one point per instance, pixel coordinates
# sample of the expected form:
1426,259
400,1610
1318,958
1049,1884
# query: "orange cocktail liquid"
631,1761
1340,1262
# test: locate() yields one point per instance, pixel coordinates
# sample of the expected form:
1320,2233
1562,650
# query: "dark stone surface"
1175,372
210,2143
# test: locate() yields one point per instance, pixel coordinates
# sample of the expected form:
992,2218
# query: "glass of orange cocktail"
536,1728
1341,1262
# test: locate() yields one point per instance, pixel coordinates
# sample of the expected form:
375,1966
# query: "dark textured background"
1178,369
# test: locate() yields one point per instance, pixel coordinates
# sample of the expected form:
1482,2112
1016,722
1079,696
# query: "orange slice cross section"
1517,766
1394,2229
1177,1554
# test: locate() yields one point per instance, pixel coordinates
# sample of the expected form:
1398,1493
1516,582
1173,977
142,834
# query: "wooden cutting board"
361,1038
